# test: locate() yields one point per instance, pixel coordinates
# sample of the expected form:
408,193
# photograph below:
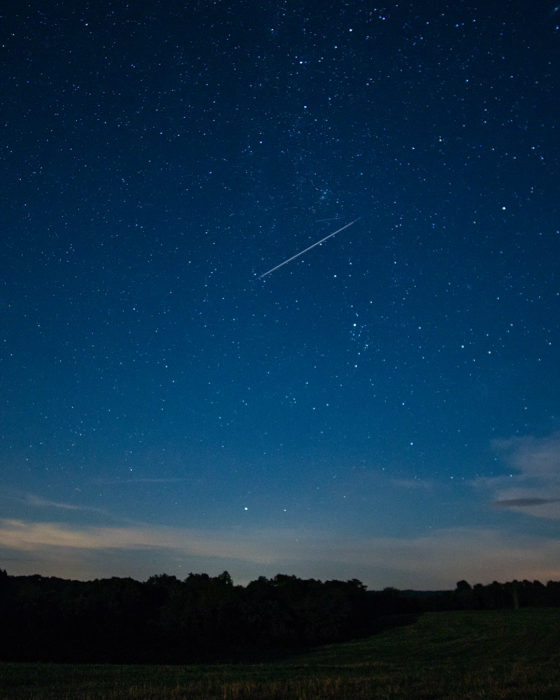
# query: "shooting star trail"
301,252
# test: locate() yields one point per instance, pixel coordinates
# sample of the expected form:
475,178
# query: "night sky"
384,406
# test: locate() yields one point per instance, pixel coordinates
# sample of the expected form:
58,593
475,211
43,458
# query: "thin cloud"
434,560
26,536
532,486
532,457
520,502
33,500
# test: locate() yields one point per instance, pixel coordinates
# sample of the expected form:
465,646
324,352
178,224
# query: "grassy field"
460,655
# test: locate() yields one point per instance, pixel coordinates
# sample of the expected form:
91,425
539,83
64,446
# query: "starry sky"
385,406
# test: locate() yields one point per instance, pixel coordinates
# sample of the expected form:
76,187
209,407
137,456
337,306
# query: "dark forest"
207,619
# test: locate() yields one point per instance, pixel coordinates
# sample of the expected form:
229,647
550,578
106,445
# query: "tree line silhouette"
204,618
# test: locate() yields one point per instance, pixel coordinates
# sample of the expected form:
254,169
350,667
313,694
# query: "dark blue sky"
384,406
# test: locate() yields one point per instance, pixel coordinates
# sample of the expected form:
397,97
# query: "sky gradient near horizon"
384,406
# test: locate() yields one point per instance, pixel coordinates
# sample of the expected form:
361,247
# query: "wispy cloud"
522,502
434,560
22,504
33,500
532,486
533,457
27,536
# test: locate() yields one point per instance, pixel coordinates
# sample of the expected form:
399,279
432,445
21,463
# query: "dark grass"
460,655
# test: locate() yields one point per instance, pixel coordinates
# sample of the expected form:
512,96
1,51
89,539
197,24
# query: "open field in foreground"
461,655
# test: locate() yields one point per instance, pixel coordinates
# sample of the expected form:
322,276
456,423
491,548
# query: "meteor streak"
301,252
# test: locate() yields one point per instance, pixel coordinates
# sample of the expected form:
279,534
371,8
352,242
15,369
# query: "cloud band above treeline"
436,560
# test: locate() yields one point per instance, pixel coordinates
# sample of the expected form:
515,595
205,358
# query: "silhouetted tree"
206,618
464,596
